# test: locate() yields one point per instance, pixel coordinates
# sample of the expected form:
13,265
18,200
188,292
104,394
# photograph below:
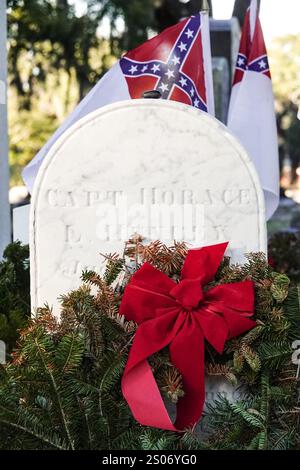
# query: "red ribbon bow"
180,316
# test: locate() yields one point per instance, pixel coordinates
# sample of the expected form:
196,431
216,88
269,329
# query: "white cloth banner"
251,114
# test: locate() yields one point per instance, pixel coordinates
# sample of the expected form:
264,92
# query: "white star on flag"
189,33
170,74
155,68
164,87
145,68
192,92
241,61
175,60
196,103
133,69
182,46
262,64
183,82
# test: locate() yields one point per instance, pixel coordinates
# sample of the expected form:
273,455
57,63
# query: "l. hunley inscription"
157,168
154,212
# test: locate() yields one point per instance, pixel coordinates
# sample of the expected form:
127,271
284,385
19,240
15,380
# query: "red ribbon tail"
141,392
187,355
138,383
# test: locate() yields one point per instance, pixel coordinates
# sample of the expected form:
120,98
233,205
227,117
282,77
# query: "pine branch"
40,435
58,399
249,415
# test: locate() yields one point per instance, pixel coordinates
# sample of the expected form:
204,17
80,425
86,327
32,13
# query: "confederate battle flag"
177,63
251,114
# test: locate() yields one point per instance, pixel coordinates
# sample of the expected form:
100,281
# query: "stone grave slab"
158,168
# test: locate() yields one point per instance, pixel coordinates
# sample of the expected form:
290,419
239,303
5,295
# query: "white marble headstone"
158,168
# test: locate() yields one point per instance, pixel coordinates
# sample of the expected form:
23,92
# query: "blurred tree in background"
14,292
59,49
55,57
285,63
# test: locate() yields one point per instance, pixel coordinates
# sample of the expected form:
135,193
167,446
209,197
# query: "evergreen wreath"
61,388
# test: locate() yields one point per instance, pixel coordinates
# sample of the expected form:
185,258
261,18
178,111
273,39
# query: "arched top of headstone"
154,167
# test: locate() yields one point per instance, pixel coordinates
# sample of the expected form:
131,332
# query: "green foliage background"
57,53
14,293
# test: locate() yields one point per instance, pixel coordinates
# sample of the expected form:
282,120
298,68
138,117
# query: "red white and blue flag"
251,115
176,62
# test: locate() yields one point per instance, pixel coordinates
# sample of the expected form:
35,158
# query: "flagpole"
205,6
207,58
253,16
5,222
